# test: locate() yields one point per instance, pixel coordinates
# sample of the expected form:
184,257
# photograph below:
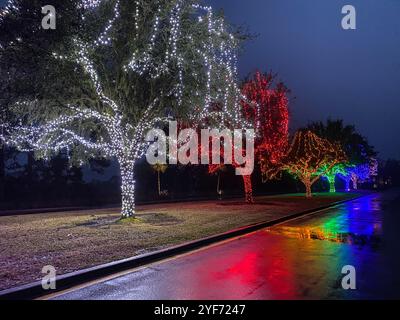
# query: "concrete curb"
67,281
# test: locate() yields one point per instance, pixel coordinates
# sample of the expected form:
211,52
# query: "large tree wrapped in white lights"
138,63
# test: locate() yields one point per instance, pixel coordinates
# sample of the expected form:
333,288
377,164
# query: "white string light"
10,6
89,4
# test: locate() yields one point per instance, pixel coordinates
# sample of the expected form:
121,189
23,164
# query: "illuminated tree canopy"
330,174
128,66
309,157
265,109
356,147
360,173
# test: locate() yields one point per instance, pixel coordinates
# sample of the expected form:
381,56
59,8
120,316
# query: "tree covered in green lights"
308,159
358,151
340,169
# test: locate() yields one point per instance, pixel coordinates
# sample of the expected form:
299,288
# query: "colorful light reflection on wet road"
358,223
302,259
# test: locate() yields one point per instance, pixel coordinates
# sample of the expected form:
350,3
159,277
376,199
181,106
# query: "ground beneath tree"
71,241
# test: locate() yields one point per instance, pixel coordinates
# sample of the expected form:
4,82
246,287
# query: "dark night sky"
354,75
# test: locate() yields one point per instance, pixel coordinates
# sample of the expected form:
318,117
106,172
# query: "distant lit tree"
331,174
159,168
309,157
359,174
266,107
359,152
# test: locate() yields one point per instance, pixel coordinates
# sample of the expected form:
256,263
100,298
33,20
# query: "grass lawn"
75,240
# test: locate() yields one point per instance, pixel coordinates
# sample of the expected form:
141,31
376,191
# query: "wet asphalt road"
301,259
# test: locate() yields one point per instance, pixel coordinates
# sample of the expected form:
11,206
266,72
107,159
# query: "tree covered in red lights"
265,107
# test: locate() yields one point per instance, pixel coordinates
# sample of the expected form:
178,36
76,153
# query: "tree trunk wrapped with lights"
248,189
330,174
127,187
127,67
359,173
331,181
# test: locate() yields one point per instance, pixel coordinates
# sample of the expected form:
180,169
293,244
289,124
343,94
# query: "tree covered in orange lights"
308,158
